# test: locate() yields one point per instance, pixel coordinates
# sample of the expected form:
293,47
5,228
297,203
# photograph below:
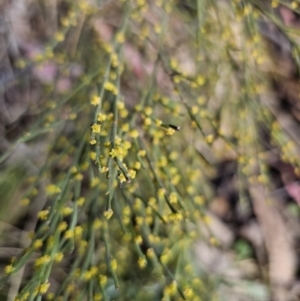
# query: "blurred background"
149,150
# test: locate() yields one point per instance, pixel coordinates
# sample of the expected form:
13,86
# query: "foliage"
121,187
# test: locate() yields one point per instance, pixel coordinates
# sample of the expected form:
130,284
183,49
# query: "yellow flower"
108,213
37,244
50,296
118,140
139,220
120,37
148,111
161,192
102,280
124,113
59,257
118,152
43,288
79,177
125,127
73,169
213,241
209,139
142,153
188,292
147,121
177,79
190,189
142,262
93,156
137,165
133,134
97,224
96,128
70,288
199,200
69,234
174,155
114,264
172,288
120,105
43,214
101,117
206,219
95,100
108,48
104,169
122,178
109,86
59,36
157,28
176,217
113,75
82,246
9,269
139,239
67,211
200,80
162,162
62,226
50,242
110,116
87,275
80,201
78,231
42,260
201,100
132,173
194,110
152,201
158,122
173,198
52,189
150,252
170,131
114,59
127,145
25,202
94,182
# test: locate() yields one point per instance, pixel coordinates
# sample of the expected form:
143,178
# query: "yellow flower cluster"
170,131
142,262
42,261
43,214
119,152
109,86
95,100
52,189
88,275
42,289
101,117
108,213
9,269
96,128
38,243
